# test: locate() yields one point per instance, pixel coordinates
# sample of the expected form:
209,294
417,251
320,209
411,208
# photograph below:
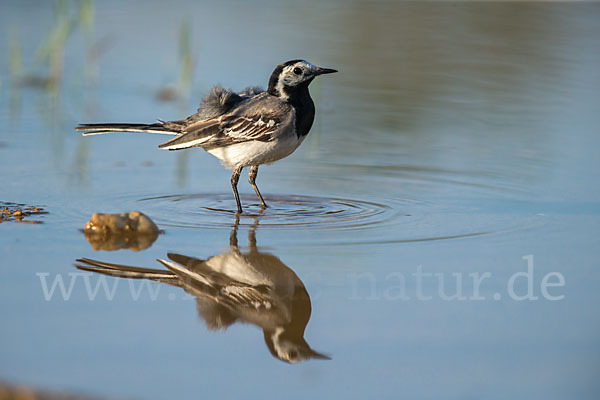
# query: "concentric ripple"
349,222
218,210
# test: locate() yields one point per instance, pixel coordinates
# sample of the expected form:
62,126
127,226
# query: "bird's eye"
297,71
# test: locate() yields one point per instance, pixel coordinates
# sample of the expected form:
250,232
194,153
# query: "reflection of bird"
246,129
252,287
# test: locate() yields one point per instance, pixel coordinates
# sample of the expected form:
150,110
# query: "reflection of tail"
126,271
215,315
189,277
159,127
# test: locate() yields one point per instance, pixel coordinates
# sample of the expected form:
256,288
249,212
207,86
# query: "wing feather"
194,135
222,288
256,127
251,121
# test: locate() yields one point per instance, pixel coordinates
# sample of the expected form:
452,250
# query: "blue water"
456,140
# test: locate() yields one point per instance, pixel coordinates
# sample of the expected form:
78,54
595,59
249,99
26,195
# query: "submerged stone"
133,230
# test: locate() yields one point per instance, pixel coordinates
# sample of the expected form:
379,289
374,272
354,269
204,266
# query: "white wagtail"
253,287
244,129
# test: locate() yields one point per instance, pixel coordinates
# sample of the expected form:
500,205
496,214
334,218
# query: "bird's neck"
299,98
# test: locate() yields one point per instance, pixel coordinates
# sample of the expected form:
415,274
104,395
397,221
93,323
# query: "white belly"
255,152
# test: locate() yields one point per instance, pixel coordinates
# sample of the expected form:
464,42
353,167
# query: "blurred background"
458,137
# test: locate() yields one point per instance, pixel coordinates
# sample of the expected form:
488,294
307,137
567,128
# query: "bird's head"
294,75
289,347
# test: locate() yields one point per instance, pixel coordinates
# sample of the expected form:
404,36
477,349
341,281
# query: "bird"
253,287
245,129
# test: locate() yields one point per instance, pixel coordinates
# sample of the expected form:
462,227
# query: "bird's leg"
252,179
233,241
252,239
234,181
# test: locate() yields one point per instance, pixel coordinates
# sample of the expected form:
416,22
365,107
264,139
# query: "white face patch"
289,78
282,348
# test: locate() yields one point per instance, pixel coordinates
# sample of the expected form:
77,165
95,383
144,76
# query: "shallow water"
456,147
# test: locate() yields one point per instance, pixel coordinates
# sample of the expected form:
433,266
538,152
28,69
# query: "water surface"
456,148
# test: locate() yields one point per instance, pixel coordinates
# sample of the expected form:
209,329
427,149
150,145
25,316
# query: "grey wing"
242,128
252,121
197,134
221,288
238,294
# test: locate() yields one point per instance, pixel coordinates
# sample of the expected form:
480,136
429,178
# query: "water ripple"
349,222
217,210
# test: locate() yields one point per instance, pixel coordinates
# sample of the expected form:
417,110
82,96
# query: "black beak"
314,354
322,71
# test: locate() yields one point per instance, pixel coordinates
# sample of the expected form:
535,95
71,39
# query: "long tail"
126,271
159,127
